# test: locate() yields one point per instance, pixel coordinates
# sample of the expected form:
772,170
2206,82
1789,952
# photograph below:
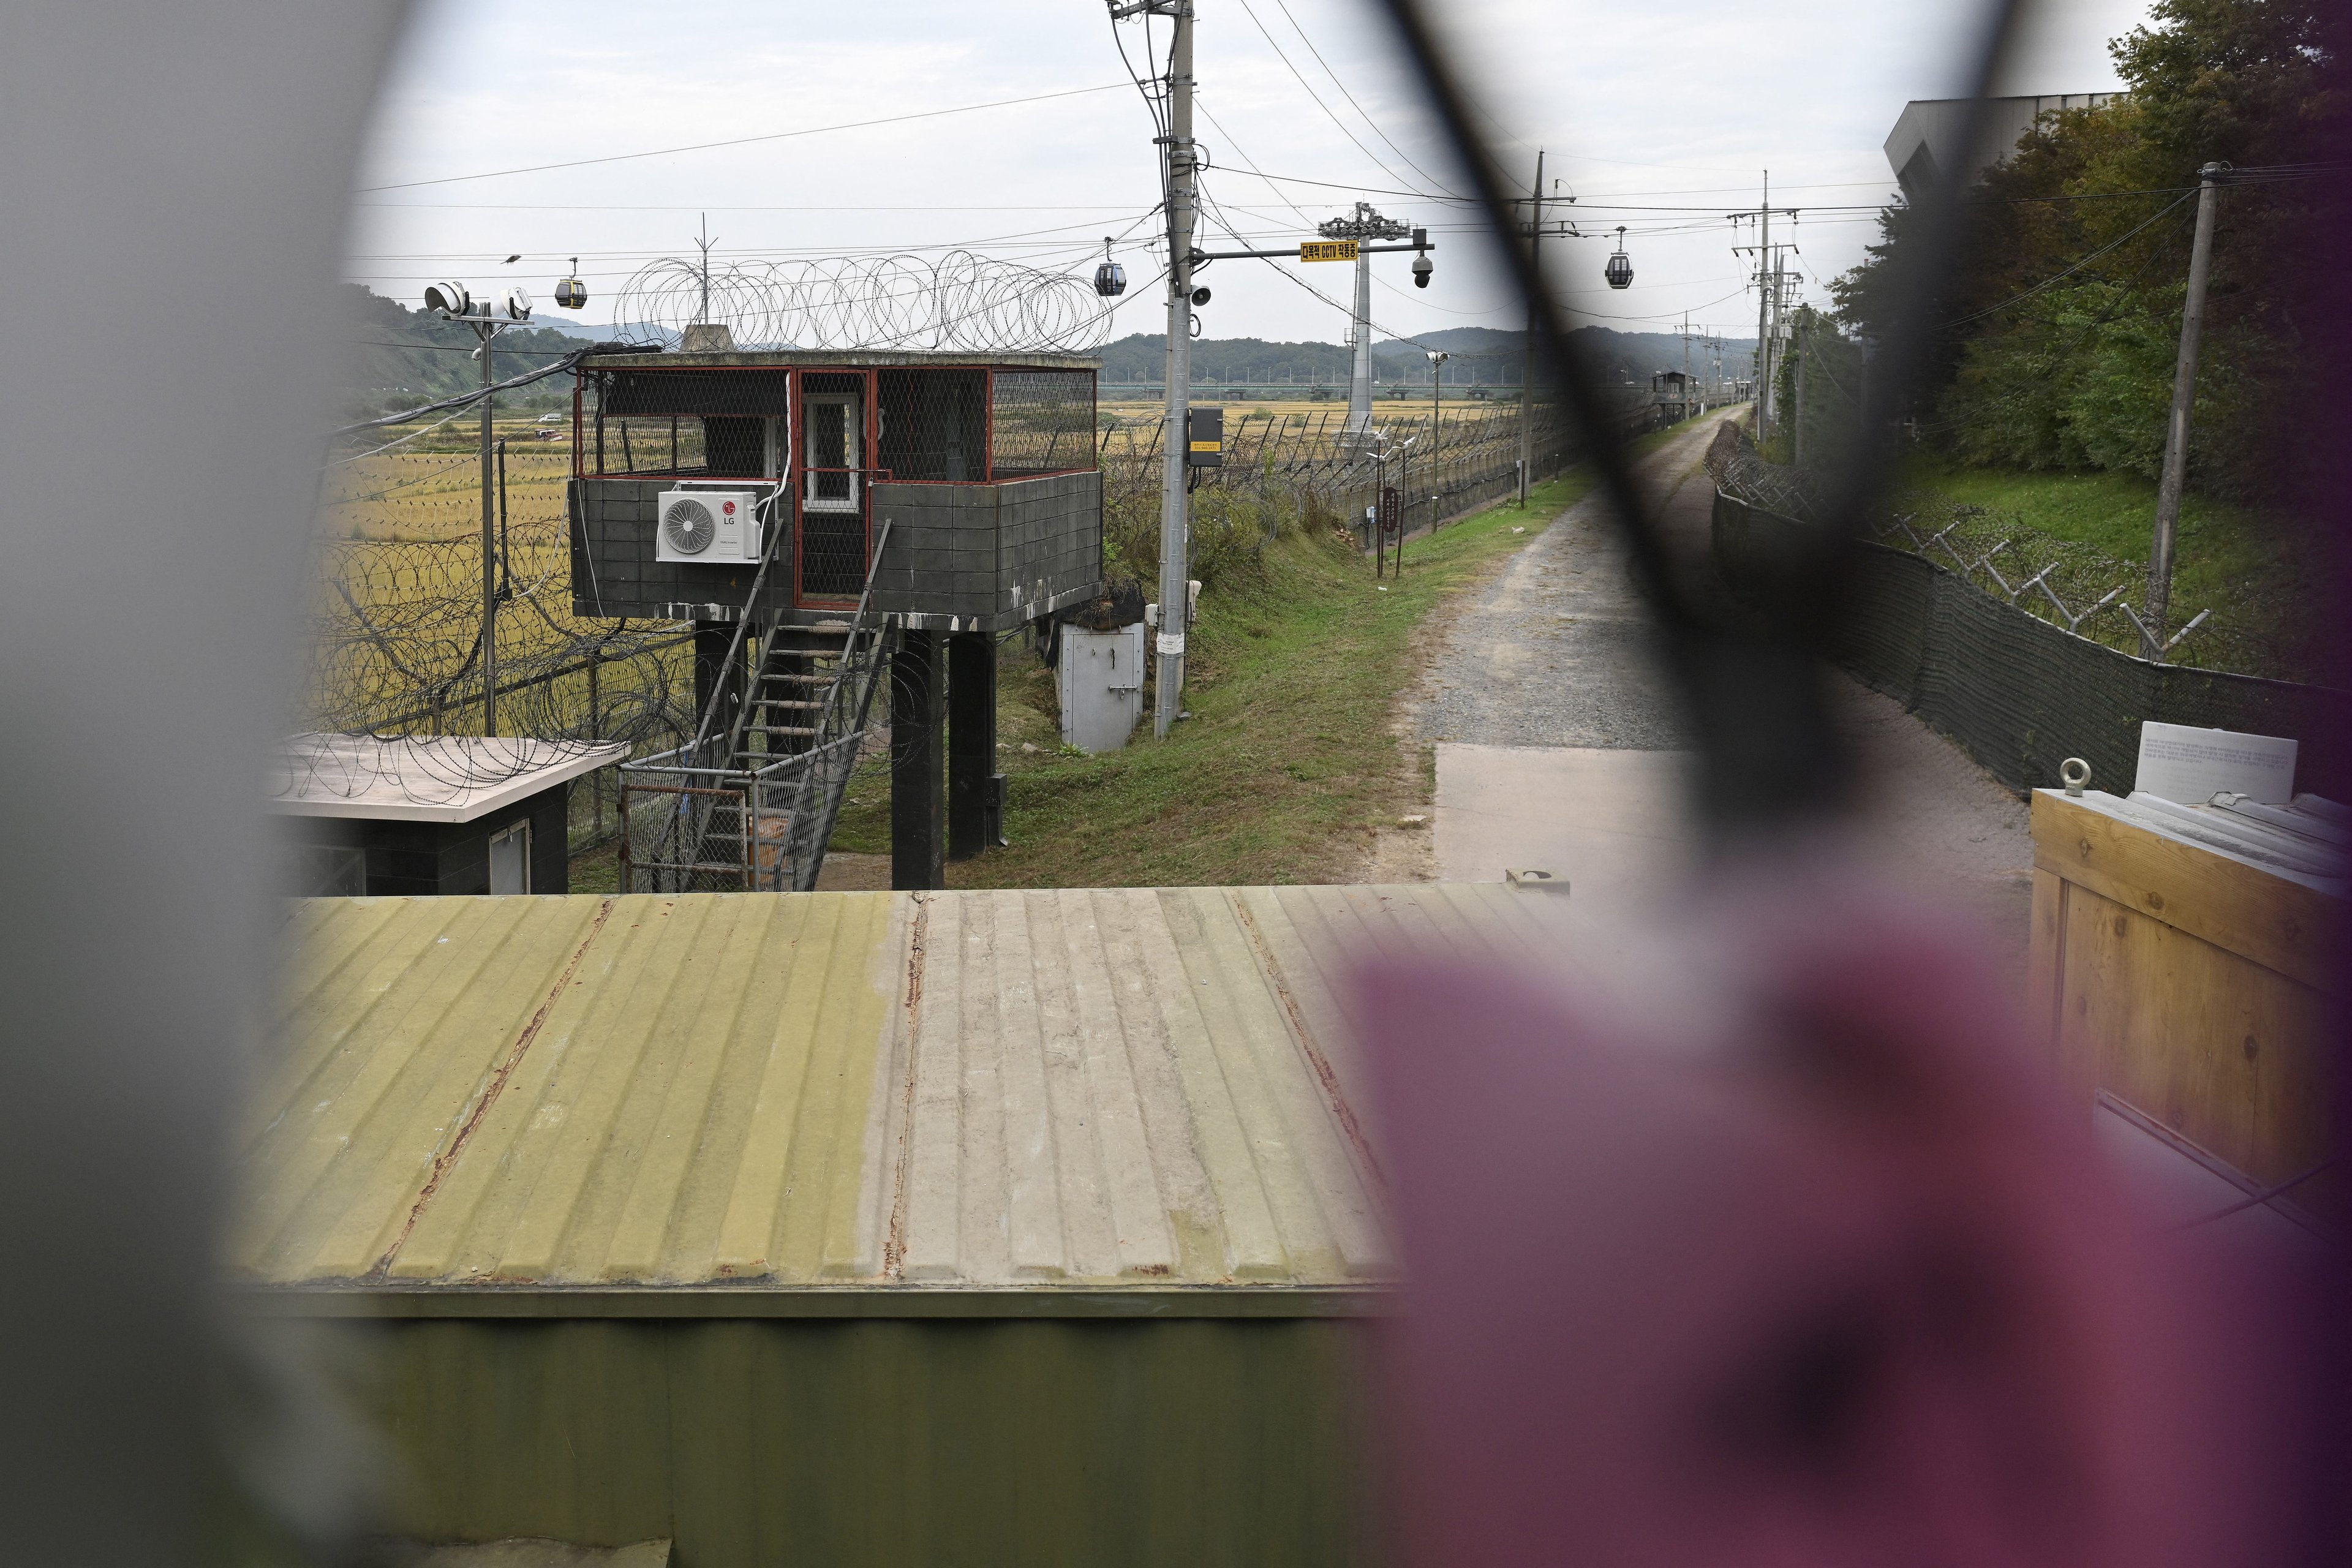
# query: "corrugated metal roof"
1085,1088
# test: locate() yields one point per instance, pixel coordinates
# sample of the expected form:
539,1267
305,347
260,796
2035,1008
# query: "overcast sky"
1673,109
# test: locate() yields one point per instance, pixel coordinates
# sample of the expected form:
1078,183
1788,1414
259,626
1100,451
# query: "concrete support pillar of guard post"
975,789
917,781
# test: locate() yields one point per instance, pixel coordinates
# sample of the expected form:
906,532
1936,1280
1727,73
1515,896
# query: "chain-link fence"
1305,466
2064,581
1933,616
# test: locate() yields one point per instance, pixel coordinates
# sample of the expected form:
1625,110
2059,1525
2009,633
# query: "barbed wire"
396,648
960,302
2062,581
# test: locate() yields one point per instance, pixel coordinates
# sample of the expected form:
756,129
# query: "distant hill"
406,357
1483,356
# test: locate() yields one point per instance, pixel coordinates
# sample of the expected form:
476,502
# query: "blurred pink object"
1842,1284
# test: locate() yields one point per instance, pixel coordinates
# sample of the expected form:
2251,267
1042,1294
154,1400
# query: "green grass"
2224,553
1288,767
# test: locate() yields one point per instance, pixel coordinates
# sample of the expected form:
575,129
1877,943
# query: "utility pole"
1767,305
1797,414
2184,398
456,302
1527,349
1175,505
489,554
1437,358
1363,226
1686,385
1763,318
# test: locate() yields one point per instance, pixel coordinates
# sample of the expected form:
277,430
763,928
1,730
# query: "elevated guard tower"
824,518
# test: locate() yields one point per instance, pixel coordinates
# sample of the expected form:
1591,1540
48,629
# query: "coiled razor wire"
2064,581
960,302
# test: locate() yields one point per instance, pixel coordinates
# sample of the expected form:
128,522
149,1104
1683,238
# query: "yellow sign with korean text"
1327,251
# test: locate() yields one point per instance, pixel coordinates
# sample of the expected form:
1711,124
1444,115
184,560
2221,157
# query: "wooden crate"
2191,985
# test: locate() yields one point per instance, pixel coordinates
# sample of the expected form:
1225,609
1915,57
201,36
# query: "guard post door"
831,489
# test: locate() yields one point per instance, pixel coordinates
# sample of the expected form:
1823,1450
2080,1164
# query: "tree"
2056,338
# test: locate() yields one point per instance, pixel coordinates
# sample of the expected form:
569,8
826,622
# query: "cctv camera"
1422,268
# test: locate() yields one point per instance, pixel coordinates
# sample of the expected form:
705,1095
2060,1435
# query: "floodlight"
518,305
449,298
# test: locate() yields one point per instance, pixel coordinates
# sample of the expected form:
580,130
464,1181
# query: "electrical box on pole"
1204,445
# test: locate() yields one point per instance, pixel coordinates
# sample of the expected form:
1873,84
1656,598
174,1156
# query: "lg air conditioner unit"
717,527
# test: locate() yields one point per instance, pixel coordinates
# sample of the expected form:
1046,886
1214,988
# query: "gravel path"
1545,693
1556,650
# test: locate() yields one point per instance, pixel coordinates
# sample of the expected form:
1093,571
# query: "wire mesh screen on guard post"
691,423
934,424
1041,422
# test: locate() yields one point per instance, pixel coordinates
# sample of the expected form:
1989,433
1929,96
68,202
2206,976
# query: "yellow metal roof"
1092,1089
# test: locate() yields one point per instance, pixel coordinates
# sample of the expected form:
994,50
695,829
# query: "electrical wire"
2061,277
463,400
742,140
1251,13
1351,96
454,348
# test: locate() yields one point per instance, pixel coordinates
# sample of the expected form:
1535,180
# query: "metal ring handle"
2073,773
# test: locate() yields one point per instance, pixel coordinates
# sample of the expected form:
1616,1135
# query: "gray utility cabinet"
1100,675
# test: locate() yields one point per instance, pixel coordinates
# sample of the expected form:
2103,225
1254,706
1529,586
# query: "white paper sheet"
2189,766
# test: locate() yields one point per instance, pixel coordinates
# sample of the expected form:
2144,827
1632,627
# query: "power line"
1251,13
2061,276
745,140
459,348
1351,96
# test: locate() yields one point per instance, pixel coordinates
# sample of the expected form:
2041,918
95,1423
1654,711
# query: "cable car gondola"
1619,271
572,293
1110,278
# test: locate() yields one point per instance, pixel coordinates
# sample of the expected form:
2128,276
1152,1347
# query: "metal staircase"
748,806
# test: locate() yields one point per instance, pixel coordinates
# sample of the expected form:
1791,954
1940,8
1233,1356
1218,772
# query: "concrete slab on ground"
1559,744
1613,822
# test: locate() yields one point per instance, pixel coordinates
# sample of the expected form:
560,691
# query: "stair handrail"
819,831
857,620
743,626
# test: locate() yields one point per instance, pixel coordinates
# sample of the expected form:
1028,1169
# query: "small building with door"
391,816
815,514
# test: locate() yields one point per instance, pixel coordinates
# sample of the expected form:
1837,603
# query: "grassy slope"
1288,766
2221,548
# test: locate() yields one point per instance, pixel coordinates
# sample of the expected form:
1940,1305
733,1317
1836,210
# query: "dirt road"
1560,746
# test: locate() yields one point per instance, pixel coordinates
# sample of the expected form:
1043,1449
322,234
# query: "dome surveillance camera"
1422,268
